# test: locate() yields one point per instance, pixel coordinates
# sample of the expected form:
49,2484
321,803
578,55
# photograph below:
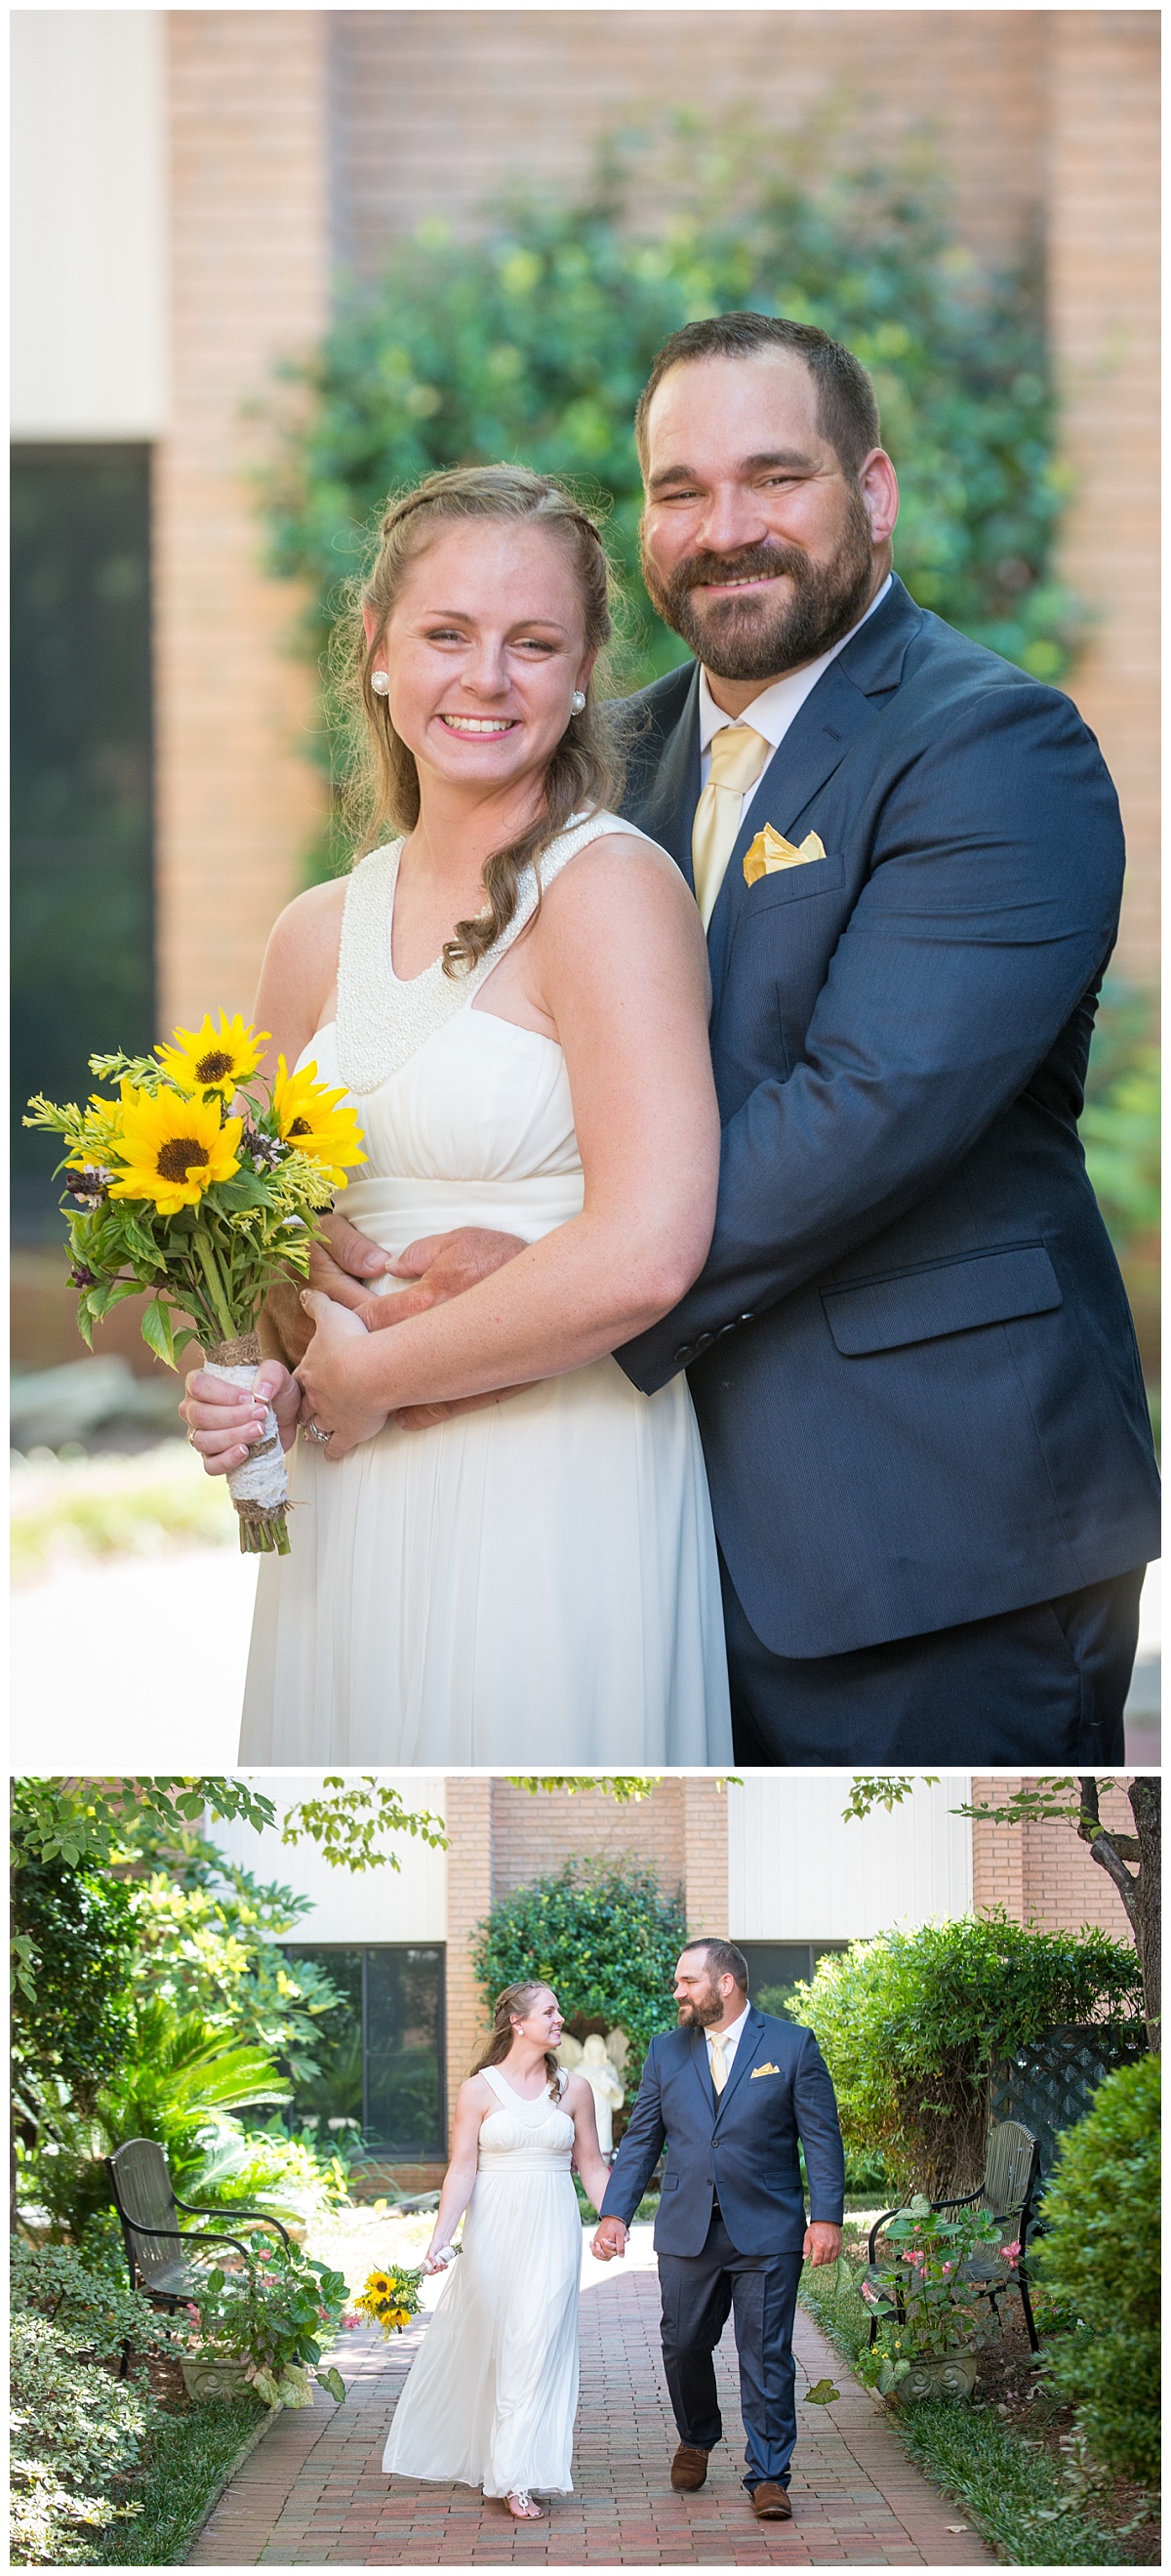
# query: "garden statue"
604,2080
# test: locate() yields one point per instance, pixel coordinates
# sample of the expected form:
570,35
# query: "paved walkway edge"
256,2436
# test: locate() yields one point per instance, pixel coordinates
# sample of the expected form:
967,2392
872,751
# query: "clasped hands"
314,1325
823,2243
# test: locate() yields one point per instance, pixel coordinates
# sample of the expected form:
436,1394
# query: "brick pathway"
313,2493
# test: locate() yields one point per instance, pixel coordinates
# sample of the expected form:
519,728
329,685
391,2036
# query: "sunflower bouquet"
204,1182
390,2299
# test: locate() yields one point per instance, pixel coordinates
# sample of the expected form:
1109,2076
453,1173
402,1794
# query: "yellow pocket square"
763,2070
770,851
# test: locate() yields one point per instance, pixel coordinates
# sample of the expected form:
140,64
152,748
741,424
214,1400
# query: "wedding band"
190,1437
315,1432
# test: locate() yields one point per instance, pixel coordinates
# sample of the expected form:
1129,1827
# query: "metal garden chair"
140,2181
1008,2191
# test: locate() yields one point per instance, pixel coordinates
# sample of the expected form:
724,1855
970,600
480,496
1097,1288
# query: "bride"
514,994
491,2399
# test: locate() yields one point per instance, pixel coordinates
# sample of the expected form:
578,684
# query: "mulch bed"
1011,2382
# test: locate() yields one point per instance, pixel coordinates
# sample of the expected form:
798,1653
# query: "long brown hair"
585,773
518,2000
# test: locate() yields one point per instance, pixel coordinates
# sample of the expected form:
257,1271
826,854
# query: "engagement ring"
316,1433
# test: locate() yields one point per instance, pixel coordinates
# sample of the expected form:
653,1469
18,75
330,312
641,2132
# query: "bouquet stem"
260,1488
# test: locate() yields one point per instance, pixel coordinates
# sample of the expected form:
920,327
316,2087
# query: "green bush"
1121,1130
1100,2256
606,1940
910,2025
533,341
76,2429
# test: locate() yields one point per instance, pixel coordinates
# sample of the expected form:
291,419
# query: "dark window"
774,1966
82,855
381,2052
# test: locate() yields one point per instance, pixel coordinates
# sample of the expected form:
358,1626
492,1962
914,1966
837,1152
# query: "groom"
910,1350
730,2093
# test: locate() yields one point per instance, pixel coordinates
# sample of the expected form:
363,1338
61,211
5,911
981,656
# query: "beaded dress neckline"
382,1020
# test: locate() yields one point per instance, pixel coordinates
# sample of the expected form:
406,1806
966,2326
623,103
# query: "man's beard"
700,2014
751,639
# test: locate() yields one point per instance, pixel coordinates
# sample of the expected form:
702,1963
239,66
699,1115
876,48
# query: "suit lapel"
703,2069
670,806
821,734
745,2052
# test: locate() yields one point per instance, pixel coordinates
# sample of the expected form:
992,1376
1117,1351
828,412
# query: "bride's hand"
437,2258
223,1422
330,1400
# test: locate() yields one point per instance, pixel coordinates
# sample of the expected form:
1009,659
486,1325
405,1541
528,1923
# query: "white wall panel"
89,223
407,1904
798,1872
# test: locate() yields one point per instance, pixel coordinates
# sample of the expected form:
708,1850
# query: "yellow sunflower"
174,1149
210,1059
308,1117
377,2287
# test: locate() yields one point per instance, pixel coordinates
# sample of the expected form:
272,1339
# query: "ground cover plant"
1009,2454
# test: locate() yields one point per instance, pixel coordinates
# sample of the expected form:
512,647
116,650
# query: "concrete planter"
214,2377
954,2374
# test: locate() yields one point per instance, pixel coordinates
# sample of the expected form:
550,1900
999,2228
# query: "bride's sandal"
521,2506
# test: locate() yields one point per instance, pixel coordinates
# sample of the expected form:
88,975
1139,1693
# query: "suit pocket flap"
951,1297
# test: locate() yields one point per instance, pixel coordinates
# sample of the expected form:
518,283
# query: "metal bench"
1008,2192
140,2181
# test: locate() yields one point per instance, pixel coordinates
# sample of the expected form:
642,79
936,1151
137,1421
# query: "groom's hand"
609,2239
442,1266
823,2243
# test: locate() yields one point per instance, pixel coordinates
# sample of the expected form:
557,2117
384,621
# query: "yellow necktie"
738,757
717,2046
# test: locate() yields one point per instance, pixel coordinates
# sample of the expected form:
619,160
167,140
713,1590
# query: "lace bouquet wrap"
203,1183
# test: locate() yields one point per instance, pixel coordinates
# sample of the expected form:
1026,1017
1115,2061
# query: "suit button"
705,1341
749,1318
685,1352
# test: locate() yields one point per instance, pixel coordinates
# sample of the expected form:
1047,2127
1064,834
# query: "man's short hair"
723,1958
847,412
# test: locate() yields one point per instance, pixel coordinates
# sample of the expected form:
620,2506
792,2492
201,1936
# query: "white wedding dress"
491,2399
532,1584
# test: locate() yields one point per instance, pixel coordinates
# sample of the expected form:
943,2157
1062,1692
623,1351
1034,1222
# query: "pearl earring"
380,683
577,701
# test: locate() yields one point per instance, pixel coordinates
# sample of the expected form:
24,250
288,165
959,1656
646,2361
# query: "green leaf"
331,2380
823,2393
157,1331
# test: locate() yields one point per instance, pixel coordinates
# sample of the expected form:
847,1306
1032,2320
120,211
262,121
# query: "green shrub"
533,341
76,2429
1100,2256
910,2025
606,1940
1121,1130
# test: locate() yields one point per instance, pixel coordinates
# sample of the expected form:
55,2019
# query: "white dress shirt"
729,2039
772,713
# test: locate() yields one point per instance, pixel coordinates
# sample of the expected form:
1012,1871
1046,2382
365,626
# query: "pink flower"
947,2267
1011,2253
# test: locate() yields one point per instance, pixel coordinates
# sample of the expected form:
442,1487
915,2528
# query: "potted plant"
264,2328
932,2321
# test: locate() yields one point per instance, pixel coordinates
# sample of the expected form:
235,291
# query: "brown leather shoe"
688,2469
770,2503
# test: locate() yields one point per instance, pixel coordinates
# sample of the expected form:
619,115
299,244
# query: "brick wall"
468,1818
1041,1873
236,798
432,113
534,1837
500,1838
1103,276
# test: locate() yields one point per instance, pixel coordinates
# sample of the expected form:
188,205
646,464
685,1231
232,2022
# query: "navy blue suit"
732,2217
910,1349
